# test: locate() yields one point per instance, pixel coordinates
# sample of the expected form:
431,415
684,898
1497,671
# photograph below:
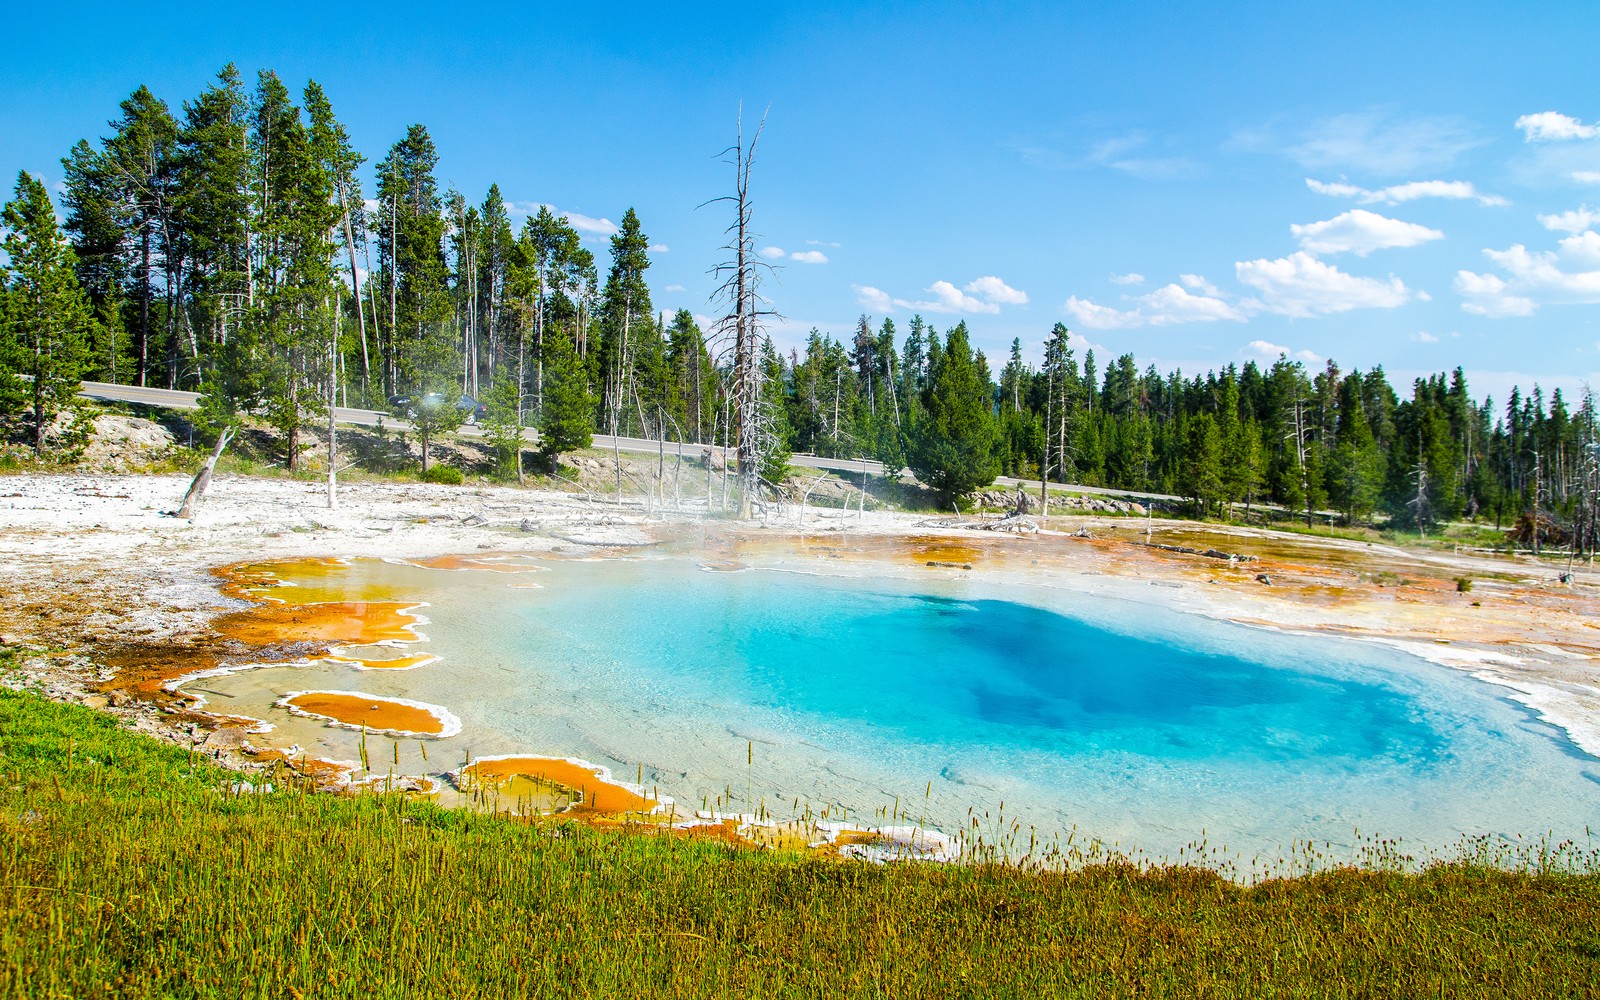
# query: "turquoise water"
1122,720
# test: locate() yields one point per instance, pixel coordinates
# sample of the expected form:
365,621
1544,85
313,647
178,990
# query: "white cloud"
1536,277
1586,176
588,224
874,299
1360,232
981,295
1575,221
801,256
1172,304
1266,349
1131,278
1300,285
1487,295
947,298
1583,248
1424,337
1552,126
1380,142
675,288
823,243
1199,284
1307,355
1099,317
992,289
660,248
1169,305
1410,191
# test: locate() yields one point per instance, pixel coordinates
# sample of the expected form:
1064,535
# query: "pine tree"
1202,471
567,423
627,326
957,439
139,162
46,315
95,225
503,424
332,151
213,198
295,216
1356,466
421,352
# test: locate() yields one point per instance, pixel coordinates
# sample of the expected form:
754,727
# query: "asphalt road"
180,400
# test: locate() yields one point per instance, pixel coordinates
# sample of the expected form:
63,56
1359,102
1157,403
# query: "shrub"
448,475
1463,584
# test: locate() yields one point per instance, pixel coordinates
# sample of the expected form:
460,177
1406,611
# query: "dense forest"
230,248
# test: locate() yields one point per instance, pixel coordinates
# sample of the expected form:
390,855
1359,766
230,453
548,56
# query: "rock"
1264,578
226,738
95,701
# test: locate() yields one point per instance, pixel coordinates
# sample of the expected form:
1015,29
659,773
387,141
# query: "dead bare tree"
740,327
202,479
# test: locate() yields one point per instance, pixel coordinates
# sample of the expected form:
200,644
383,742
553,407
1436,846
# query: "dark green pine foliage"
957,439
95,224
213,196
629,363
503,425
423,351
295,215
693,402
140,162
567,423
1356,465
1202,472
775,447
334,154
46,317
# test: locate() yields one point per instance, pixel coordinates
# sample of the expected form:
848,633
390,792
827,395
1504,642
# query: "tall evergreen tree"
46,316
567,423
630,349
955,451
421,349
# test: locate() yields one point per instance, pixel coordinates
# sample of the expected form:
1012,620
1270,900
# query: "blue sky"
1192,183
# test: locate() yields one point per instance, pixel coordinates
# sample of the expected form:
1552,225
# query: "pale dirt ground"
95,576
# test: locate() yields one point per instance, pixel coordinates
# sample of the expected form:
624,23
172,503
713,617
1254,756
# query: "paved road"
179,400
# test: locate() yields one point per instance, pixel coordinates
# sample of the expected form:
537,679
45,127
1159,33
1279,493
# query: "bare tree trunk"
355,290
743,321
333,392
202,479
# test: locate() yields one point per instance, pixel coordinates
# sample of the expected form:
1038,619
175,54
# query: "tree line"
230,248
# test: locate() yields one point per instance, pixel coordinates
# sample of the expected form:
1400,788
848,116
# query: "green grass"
129,868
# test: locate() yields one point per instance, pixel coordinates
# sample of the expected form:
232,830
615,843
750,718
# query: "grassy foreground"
128,869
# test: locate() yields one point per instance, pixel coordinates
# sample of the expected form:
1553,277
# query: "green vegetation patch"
130,868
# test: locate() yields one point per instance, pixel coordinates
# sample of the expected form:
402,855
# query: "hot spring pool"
955,700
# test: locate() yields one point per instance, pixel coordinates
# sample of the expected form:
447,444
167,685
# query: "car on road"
406,405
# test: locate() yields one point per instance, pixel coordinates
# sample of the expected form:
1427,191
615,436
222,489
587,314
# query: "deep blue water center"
1127,720
993,673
